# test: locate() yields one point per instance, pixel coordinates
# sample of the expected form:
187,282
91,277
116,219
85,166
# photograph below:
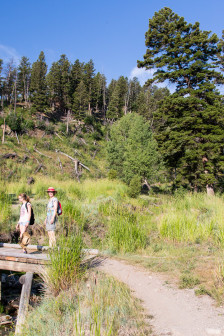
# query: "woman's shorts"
51,227
24,223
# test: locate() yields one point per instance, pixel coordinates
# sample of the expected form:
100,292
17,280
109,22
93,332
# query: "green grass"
100,306
65,264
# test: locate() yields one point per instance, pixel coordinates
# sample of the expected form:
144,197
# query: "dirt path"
175,312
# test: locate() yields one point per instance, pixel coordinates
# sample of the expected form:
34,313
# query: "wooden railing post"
24,301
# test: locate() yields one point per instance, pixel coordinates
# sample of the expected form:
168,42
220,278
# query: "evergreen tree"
132,150
149,99
1,83
80,101
88,80
134,89
38,84
9,81
24,73
99,94
189,123
77,73
118,101
59,82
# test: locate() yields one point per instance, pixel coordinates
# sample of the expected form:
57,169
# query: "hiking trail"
176,312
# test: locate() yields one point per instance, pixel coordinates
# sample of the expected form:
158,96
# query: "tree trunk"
3,133
210,190
15,94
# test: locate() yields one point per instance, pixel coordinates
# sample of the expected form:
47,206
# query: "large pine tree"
38,85
189,124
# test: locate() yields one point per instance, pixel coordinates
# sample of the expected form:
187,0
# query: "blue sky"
112,33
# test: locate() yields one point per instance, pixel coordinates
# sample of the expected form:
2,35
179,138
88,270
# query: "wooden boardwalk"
12,258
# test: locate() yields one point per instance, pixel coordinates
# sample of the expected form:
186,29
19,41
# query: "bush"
15,122
134,187
112,175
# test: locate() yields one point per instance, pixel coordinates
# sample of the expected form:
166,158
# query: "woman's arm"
55,211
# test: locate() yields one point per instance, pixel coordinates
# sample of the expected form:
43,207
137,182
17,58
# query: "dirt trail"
175,312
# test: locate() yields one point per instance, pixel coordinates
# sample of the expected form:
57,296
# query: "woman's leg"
22,229
52,238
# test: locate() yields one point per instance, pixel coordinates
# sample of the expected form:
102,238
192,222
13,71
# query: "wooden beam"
24,302
20,266
32,258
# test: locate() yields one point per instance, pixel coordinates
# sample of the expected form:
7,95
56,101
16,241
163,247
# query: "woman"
25,215
51,218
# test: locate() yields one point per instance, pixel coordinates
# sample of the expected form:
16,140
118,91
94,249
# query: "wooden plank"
31,247
24,303
20,267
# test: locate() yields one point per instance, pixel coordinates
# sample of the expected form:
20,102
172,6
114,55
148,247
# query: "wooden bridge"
12,258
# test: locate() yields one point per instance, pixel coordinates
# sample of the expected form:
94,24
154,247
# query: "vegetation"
100,306
129,162
189,123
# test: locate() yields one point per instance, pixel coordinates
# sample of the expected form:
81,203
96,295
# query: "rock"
30,180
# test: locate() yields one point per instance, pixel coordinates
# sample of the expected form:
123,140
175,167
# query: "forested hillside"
70,104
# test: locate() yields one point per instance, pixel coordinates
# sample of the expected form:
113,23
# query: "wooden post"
24,301
3,132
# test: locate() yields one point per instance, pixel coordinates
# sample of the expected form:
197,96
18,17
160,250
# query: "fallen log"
9,156
49,157
73,159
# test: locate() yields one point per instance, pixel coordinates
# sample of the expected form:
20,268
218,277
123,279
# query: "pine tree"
118,100
1,83
24,73
88,80
77,73
59,82
9,81
99,95
80,101
189,123
38,84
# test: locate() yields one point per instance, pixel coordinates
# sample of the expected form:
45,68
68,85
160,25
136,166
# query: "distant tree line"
74,90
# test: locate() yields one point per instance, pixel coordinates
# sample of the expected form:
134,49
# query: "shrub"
112,175
15,122
134,187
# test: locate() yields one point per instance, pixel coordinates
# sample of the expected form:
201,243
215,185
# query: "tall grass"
5,208
100,307
65,264
193,218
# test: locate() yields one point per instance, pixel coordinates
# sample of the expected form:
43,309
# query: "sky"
111,33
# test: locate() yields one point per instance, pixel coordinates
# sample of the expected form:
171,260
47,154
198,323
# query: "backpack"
32,218
59,209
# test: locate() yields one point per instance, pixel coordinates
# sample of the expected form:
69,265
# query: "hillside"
47,150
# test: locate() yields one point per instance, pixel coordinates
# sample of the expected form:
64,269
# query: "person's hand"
45,222
17,227
52,221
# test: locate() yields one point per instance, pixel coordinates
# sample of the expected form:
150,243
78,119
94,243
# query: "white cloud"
142,74
8,53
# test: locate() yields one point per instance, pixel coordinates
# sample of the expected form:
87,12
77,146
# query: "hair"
25,197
